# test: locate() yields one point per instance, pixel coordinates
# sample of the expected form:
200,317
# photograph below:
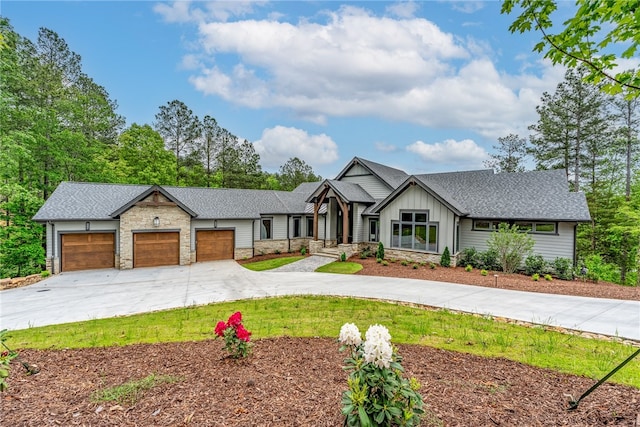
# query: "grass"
340,268
317,316
130,392
270,264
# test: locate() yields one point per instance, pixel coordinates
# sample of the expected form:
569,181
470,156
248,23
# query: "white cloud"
187,11
403,9
467,6
279,144
465,154
354,64
385,148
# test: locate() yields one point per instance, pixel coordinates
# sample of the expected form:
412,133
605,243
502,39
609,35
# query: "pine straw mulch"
299,382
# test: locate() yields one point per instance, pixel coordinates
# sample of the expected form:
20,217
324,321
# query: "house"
92,225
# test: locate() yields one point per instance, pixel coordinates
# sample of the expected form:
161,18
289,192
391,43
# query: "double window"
414,231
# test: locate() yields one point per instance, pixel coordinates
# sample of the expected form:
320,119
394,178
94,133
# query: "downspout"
253,238
53,248
575,248
288,233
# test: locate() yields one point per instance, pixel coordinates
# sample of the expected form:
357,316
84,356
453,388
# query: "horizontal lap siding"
243,230
549,246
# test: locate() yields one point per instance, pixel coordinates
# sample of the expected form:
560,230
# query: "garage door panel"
87,251
213,245
156,249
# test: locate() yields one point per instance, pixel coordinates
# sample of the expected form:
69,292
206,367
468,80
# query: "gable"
357,174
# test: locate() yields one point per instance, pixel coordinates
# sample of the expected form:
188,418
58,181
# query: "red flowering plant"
236,337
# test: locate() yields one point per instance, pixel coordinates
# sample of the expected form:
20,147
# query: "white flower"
377,351
350,335
378,332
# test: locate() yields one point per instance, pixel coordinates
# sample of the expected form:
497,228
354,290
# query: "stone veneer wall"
270,246
140,218
414,256
242,253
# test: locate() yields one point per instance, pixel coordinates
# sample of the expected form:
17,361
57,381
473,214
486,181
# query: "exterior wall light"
87,226
156,222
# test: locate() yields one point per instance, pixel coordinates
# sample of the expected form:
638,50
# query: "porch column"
316,208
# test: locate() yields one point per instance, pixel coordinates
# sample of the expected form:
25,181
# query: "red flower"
242,333
235,319
220,327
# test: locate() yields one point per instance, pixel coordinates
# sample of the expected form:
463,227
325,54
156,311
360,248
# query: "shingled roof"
391,176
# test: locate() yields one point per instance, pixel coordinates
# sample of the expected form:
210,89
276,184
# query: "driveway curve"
77,296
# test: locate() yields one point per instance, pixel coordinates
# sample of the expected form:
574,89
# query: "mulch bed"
299,382
294,382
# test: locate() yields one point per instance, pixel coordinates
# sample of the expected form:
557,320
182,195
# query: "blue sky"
422,86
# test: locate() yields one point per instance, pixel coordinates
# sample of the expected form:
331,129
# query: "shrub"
365,252
45,273
343,257
404,262
5,359
469,257
484,272
378,394
598,270
432,266
378,260
548,277
277,252
563,268
535,277
534,264
488,260
415,266
303,251
236,337
380,251
511,246
468,268
445,259
384,262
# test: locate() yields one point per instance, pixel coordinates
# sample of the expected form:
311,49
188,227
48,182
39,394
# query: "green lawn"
310,316
340,267
270,264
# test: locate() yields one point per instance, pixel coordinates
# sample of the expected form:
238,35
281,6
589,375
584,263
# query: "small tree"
511,245
380,251
445,259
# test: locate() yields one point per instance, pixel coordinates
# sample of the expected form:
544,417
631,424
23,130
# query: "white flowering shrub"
378,394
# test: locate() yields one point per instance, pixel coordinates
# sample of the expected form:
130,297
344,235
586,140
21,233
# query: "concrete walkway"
77,296
305,265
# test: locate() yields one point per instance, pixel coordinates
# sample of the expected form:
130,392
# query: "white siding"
359,224
415,198
370,183
320,227
550,246
278,230
243,229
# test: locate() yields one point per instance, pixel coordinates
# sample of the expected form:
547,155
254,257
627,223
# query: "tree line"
57,124
593,137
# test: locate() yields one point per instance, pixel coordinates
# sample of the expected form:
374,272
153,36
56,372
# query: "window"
414,231
266,225
525,227
545,227
485,225
309,226
296,226
373,230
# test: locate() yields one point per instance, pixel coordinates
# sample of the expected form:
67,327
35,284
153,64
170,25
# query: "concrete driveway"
76,296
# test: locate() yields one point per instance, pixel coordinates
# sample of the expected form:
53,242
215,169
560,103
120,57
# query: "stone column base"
315,246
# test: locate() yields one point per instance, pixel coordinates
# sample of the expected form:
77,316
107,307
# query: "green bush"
384,263
535,277
469,256
365,252
484,272
534,264
511,245
303,251
488,260
404,262
445,259
378,260
380,251
468,268
45,273
563,268
415,266
343,257
598,270
548,277
432,266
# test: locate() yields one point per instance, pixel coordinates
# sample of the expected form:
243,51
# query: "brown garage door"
154,249
212,245
88,251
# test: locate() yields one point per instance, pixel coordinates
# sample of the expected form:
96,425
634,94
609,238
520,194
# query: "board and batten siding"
550,246
369,182
416,199
243,229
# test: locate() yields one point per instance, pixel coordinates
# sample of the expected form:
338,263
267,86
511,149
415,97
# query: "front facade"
92,225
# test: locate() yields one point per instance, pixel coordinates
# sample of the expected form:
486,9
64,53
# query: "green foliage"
415,266
488,260
445,259
512,151
404,263
469,256
534,264
484,272
563,268
236,337
303,251
343,257
384,263
599,35
432,266
468,268
45,273
130,392
294,172
511,246
598,270
380,251
340,268
270,264
535,277
5,359
378,394
548,277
